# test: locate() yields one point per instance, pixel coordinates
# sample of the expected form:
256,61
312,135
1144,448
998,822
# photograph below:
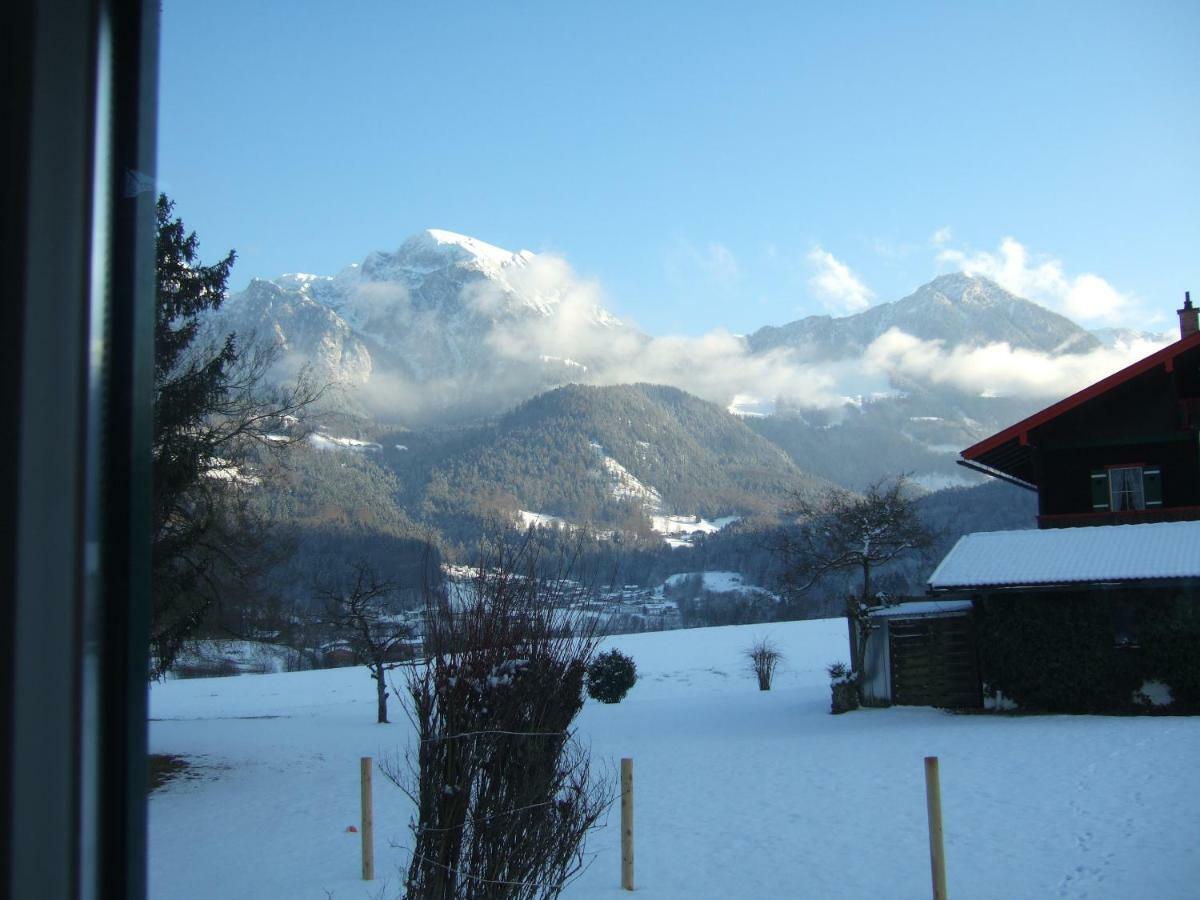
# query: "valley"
480,394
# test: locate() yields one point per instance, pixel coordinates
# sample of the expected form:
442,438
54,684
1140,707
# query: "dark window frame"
78,229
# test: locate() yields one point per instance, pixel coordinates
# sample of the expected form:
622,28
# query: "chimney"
1189,317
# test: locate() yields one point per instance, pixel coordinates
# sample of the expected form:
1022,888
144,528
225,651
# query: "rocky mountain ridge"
957,309
427,332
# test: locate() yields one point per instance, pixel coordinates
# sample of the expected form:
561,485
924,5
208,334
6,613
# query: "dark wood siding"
934,662
1141,422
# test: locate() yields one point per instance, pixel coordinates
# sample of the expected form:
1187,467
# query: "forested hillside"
609,456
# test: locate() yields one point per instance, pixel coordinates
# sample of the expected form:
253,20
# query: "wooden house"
1124,450
1114,563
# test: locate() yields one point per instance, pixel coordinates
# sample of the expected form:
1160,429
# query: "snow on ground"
739,794
689,524
323,441
542,520
625,485
238,657
677,530
717,582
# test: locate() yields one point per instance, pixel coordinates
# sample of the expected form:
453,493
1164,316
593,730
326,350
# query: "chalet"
1099,607
1125,450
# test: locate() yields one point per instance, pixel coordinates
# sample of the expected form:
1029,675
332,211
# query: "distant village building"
1115,560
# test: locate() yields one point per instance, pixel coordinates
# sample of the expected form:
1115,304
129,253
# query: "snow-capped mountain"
920,424
449,328
439,326
958,309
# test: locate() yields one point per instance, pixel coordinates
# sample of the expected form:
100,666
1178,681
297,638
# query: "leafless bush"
504,793
764,656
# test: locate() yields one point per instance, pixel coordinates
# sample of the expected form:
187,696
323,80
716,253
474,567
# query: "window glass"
1125,485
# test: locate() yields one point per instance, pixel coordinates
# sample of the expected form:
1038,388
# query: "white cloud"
718,366
999,369
1086,298
714,263
942,236
838,288
573,327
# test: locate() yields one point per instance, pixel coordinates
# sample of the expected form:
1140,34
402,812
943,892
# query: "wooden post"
627,824
933,804
368,821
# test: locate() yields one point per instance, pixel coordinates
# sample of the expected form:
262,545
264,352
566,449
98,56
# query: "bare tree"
218,428
503,792
764,658
362,615
843,531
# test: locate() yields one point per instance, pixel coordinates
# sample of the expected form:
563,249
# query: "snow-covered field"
739,794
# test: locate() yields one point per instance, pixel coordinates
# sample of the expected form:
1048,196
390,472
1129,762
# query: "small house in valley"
1098,609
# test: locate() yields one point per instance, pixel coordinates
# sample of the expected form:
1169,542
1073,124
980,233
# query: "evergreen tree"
211,411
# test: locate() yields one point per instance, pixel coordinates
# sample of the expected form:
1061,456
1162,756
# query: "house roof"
1104,554
1007,453
921,609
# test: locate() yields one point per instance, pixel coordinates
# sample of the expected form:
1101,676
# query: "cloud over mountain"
449,325
838,288
1043,279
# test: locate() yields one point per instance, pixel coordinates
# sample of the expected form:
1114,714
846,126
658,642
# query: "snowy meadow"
739,793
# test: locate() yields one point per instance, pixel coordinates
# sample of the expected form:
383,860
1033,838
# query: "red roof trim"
1165,355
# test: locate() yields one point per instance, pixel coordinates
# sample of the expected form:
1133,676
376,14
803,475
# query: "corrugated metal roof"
1090,555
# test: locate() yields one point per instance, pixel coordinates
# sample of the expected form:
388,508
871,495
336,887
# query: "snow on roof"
921,608
1098,554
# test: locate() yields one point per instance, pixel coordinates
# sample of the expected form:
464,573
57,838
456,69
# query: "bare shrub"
764,657
504,793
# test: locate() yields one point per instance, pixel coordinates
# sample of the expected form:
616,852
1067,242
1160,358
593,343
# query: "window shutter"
1152,486
1099,489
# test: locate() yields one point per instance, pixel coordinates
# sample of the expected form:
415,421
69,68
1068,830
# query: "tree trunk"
380,692
852,630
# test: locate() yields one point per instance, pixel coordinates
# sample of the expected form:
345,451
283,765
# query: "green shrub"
610,676
1056,652
1169,637
844,688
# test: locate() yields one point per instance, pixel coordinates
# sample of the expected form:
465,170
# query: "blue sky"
708,167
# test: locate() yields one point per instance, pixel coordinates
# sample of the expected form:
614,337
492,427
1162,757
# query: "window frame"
1149,483
78,227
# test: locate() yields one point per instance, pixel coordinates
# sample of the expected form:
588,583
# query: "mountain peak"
955,308
436,248
960,287
477,248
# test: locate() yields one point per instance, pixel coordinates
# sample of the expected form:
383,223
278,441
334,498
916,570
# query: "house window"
1124,488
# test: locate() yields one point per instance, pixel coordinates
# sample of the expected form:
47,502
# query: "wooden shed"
921,654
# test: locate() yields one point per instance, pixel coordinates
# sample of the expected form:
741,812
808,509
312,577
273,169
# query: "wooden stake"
627,824
933,804
368,821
